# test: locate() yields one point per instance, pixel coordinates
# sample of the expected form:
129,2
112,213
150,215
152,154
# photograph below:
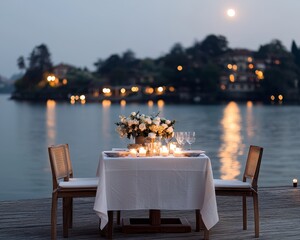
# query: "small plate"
192,153
116,153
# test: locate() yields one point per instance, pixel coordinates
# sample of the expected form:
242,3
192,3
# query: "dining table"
155,183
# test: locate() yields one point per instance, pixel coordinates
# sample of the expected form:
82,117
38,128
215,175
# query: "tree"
39,64
214,45
281,72
21,63
296,52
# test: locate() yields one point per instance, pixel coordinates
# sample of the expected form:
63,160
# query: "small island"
207,72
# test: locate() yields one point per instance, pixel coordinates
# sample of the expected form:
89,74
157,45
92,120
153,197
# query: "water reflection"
51,122
106,104
123,103
160,104
249,120
231,139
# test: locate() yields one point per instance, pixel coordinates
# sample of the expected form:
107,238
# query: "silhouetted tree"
214,45
39,64
296,52
21,63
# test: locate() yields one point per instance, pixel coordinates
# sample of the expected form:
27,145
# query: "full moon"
230,12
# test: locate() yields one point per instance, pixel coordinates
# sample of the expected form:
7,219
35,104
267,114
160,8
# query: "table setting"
155,172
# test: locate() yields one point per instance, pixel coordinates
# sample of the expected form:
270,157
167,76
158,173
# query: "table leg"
155,217
155,224
108,230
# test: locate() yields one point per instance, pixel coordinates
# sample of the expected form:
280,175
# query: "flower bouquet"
140,125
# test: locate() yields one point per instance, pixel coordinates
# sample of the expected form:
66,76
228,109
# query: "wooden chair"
71,178
245,188
65,188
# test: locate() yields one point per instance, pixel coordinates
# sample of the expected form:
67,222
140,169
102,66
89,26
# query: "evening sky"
79,32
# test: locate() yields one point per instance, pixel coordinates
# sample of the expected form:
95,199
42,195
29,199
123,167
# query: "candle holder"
177,152
142,152
164,151
133,152
295,182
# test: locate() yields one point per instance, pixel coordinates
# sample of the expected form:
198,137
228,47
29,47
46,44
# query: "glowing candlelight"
142,152
164,151
172,147
295,182
177,152
132,152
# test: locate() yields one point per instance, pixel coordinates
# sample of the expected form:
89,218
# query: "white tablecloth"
164,183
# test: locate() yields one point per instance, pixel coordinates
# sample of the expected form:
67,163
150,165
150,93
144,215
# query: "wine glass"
180,137
168,140
190,138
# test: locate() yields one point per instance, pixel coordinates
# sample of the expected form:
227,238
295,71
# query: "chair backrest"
59,164
70,168
253,165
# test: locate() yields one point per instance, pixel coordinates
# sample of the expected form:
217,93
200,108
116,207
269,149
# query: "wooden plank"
279,219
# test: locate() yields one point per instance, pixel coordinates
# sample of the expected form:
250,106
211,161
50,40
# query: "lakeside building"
241,75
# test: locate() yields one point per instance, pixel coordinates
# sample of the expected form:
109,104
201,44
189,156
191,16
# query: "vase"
139,140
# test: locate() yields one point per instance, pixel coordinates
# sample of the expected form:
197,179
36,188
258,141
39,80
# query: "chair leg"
53,216
70,215
256,214
66,211
244,212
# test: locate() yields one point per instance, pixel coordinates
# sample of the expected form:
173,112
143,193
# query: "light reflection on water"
224,131
51,122
231,142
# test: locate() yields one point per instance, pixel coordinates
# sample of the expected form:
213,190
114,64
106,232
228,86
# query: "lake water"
224,131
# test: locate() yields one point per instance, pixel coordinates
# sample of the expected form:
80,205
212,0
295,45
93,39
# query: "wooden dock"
279,219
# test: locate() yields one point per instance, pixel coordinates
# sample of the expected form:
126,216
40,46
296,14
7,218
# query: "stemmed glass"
168,140
190,138
181,138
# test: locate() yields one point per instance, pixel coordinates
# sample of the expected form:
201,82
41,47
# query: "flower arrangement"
137,124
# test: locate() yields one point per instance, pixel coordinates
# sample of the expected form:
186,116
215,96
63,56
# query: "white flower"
148,120
142,126
156,122
151,135
169,130
168,122
164,125
133,114
130,122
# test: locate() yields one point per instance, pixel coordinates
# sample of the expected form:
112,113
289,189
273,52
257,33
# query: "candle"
172,147
164,151
295,182
142,152
177,152
132,152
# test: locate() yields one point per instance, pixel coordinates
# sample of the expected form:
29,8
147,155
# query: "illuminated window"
272,97
123,90
134,89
